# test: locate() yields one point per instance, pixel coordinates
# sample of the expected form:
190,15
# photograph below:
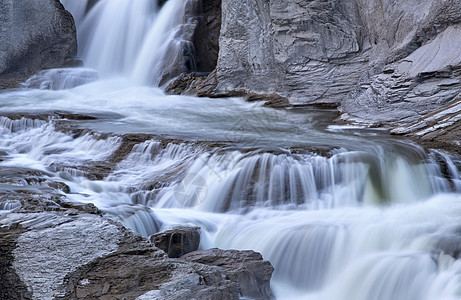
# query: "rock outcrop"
76,254
35,35
384,62
412,87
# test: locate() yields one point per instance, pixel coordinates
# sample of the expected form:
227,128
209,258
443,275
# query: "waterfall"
341,212
132,39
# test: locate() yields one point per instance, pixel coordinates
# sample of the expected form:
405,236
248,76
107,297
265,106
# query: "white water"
134,38
376,219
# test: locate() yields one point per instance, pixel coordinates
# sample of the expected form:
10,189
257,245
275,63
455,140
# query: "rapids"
341,212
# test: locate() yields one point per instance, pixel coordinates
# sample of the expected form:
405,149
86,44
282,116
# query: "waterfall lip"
46,115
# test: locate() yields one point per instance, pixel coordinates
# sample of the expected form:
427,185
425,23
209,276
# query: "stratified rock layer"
399,60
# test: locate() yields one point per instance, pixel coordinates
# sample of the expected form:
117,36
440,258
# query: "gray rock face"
317,52
412,87
206,35
306,51
245,267
35,35
289,48
74,255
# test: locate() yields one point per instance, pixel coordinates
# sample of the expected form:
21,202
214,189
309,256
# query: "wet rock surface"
35,35
81,256
177,241
245,267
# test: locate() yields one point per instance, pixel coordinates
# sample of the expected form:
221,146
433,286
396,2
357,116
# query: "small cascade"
384,254
13,126
36,142
61,79
235,180
449,167
138,218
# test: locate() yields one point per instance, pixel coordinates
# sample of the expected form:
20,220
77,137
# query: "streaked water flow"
341,212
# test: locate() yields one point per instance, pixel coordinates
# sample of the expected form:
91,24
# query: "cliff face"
376,58
34,35
419,72
306,51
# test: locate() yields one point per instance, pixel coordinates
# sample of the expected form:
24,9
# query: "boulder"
248,268
62,255
35,35
177,241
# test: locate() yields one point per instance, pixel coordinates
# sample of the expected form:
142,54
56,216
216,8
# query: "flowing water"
341,212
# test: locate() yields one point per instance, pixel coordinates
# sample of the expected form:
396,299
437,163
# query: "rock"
59,255
273,100
318,52
305,51
35,35
245,267
185,84
206,35
177,241
11,285
414,86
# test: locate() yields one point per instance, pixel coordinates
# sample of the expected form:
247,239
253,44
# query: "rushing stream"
341,212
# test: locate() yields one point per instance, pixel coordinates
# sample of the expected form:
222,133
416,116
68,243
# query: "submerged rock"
177,241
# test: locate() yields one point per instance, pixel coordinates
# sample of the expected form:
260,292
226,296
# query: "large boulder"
245,267
34,35
73,254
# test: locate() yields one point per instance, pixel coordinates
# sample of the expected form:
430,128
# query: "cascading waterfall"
129,38
370,218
